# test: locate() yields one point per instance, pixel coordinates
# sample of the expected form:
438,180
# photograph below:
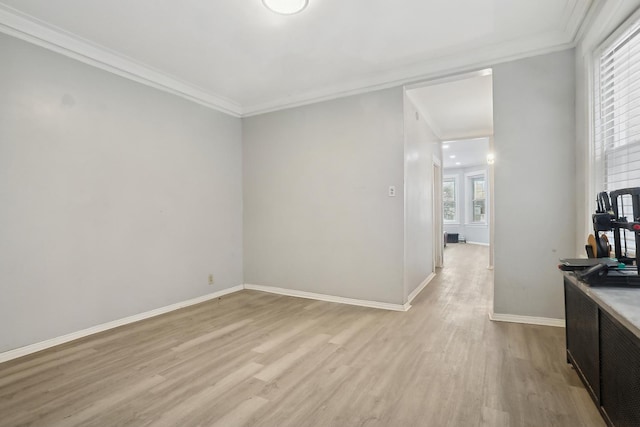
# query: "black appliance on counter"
610,216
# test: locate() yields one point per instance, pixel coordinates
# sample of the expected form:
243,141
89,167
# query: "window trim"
456,196
468,203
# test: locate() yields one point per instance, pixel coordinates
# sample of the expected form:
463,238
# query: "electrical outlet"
211,279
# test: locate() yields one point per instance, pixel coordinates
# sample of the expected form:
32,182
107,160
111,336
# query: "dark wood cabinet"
582,337
620,364
604,350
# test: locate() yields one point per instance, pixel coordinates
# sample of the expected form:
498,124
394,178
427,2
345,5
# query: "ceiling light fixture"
453,156
286,7
445,146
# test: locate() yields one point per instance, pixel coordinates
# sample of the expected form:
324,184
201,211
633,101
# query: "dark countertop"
620,302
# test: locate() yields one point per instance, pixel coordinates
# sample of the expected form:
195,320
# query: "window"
617,115
476,195
479,199
449,199
617,118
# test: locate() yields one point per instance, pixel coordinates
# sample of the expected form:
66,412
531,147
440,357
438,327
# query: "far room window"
617,114
477,198
449,197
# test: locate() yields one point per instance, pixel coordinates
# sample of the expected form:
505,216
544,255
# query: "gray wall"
421,146
317,217
118,199
534,113
115,198
471,232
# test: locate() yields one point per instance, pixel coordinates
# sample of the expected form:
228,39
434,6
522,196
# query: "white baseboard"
529,320
420,287
43,345
329,298
478,243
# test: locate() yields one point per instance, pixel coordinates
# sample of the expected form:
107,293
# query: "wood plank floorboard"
257,359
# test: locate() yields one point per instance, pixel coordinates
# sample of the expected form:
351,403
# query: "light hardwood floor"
256,359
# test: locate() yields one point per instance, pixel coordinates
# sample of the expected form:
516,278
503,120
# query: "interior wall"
534,141
317,215
421,147
116,198
472,233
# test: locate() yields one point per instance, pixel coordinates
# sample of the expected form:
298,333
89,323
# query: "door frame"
437,214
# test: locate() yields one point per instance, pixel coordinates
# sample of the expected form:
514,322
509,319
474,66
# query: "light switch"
392,191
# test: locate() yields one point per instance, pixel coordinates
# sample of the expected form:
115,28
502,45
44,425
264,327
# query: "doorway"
466,191
458,111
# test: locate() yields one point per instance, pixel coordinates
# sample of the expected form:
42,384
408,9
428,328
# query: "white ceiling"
457,109
238,57
469,152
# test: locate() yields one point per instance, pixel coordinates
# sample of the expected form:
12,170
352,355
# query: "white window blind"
617,118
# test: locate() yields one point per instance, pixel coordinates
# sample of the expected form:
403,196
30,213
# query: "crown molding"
588,22
576,14
602,20
30,29
446,66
